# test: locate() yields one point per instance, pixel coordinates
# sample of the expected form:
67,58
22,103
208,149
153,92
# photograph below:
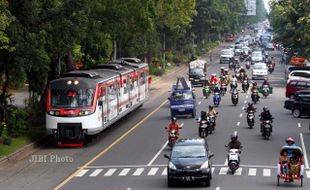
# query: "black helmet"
174,119
203,113
250,104
234,136
265,109
210,107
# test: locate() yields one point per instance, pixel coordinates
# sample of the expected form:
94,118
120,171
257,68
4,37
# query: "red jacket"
174,126
213,80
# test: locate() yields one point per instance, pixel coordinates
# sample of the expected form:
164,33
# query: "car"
197,76
238,49
299,75
246,50
226,56
269,46
291,68
260,71
301,105
288,104
257,56
189,161
229,38
296,85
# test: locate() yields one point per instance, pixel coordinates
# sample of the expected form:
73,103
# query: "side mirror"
211,154
169,98
226,146
100,103
166,156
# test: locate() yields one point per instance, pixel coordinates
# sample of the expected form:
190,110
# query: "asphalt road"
130,154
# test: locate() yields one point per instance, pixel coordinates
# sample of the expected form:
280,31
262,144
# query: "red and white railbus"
85,102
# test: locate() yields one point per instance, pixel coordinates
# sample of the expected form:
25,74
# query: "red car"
295,85
229,38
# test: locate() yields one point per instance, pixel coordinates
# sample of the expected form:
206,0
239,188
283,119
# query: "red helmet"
290,140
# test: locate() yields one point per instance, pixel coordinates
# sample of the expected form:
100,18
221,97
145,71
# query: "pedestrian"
210,57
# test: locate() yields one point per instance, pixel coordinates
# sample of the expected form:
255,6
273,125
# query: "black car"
197,76
299,104
189,162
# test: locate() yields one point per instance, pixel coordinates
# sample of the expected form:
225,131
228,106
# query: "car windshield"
192,151
259,67
238,46
257,54
72,98
182,96
198,72
245,48
226,52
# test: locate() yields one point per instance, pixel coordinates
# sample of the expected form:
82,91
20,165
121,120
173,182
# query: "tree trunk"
69,61
114,50
164,51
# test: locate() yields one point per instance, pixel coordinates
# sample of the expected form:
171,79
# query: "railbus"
83,103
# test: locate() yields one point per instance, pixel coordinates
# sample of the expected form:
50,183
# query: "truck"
197,72
182,99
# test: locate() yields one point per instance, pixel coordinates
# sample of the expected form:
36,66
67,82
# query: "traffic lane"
29,171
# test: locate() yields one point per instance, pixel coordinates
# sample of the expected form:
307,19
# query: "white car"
238,49
256,57
246,50
299,75
260,71
226,55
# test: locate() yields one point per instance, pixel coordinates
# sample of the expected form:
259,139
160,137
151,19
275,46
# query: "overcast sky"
267,5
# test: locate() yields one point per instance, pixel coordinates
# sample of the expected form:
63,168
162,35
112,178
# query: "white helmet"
213,74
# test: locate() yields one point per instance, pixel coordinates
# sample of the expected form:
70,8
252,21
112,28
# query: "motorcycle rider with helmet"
265,116
234,143
250,107
174,125
213,79
222,73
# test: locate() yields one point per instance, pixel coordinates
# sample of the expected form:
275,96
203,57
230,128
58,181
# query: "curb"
25,151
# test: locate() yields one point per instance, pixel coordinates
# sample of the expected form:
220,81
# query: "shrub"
17,122
2,127
158,72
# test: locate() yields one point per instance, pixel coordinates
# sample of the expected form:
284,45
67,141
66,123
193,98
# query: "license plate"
197,80
187,178
182,109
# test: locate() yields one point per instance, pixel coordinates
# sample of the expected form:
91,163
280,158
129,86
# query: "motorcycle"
266,129
235,96
206,126
233,85
265,91
231,65
270,68
247,65
216,99
251,118
254,96
245,86
173,137
223,89
206,91
233,157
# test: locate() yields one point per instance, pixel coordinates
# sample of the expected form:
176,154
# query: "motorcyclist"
222,73
234,81
250,108
173,125
223,80
266,83
212,111
216,89
234,143
265,116
213,79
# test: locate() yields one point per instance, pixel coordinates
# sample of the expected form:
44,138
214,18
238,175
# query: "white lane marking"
217,188
299,125
308,173
304,150
240,114
266,172
199,102
238,171
226,162
138,172
238,124
248,92
212,170
164,172
245,101
158,153
243,108
252,172
153,171
124,172
95,173
81,173
110,172
247,96
181,125
223,171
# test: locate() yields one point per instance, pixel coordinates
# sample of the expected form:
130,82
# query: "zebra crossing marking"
95,173
153,171
82,172
110,172
252,172
212,170
124,172
308,173
223,171
164,172
266,172
138,172
238,171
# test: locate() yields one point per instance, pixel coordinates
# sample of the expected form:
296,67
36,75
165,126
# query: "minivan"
295,85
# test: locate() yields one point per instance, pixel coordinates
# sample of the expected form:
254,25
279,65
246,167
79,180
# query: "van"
295,85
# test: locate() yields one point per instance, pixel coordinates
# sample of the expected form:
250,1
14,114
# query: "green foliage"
291,23
17,122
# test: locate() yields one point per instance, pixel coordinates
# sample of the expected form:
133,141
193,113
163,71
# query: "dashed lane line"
245,101
164,172
110,172
299,125
304,150
199,102
223,171
217,188
238,171
240,114
238,124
